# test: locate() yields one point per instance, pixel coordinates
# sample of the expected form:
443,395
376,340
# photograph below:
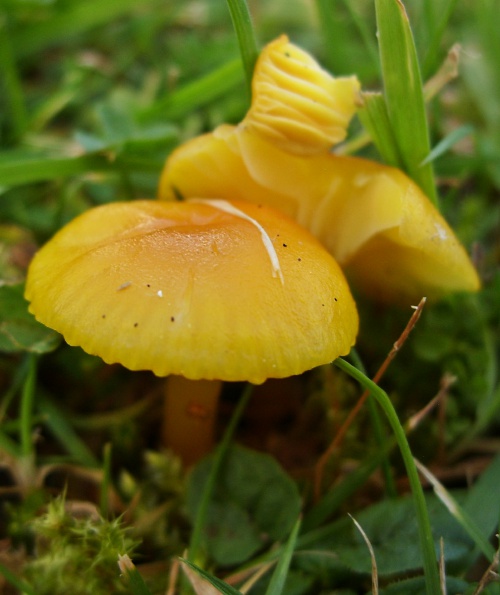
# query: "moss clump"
76,551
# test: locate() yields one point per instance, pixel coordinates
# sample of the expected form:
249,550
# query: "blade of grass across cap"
404,93
431,573
242,23
280,573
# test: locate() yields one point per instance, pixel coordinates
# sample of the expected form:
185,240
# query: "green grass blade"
193,572
106,481
280,573
447,142
404,93
196,94
384,442
334,498
63,431
135,582
11,82
430,62
27,403
424,527
16,582
76,17
364,32
458,513
242,23
375,119
18,170
8,445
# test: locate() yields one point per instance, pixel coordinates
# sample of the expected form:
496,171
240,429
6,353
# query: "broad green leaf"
255,502
482,503
403,92
416,586
19,331
391,527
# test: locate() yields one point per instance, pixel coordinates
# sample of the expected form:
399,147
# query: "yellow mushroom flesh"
297,105
372,218
189,289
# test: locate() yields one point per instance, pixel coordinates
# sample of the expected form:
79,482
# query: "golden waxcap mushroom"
296,104
201,289
373,219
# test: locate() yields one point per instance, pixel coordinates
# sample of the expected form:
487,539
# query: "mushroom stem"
189,416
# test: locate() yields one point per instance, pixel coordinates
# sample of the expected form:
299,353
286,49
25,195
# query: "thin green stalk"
220,453
27,400
380,436
242,23
424,527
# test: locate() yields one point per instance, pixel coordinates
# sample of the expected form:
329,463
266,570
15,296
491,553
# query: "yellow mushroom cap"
296,104
373,219
213,290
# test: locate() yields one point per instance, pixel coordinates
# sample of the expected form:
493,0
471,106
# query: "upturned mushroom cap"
296,104
374,220
228,291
